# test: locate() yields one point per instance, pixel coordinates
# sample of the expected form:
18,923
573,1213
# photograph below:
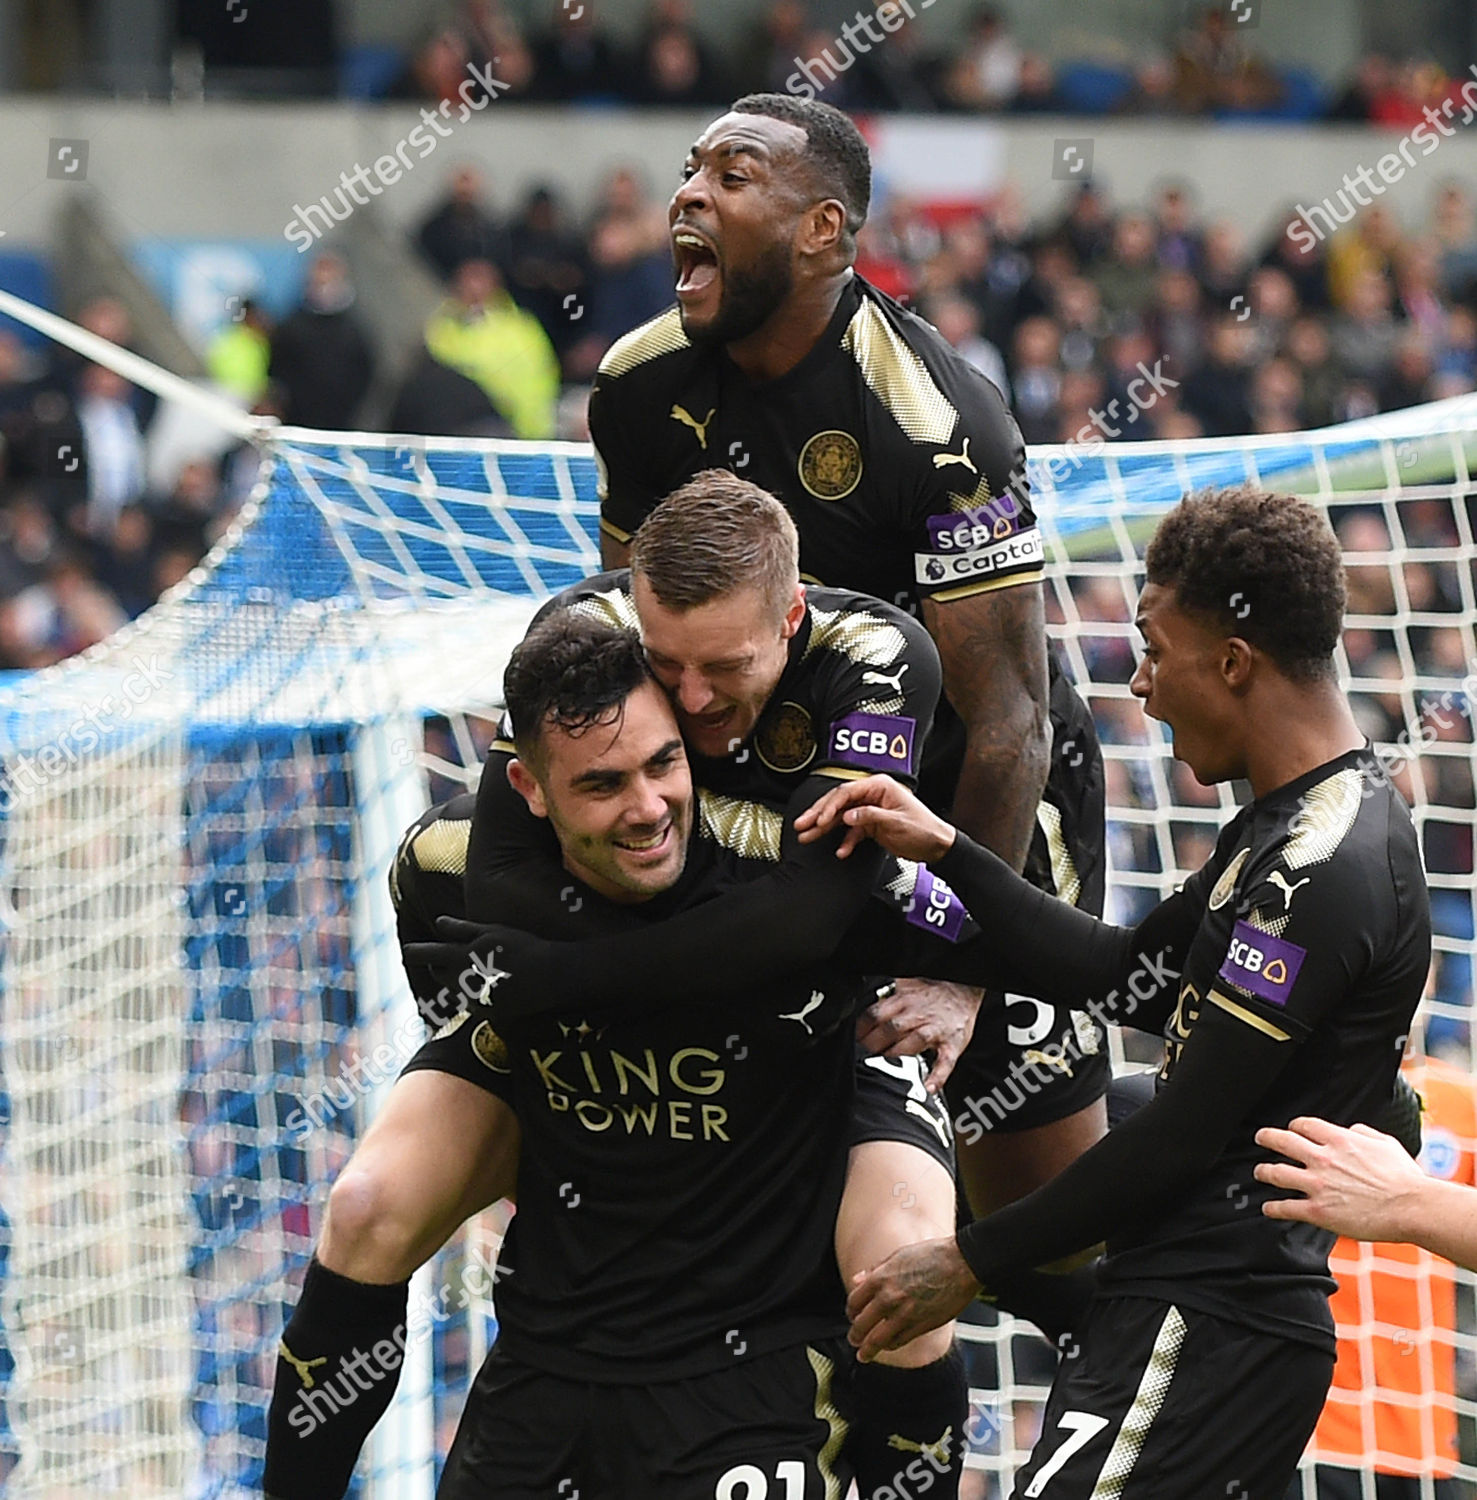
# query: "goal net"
203,1002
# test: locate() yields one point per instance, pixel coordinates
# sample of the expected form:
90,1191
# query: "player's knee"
927,1349
365,1234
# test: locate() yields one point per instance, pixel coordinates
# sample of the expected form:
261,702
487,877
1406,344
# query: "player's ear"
794,614
1236,663
824,227
526,784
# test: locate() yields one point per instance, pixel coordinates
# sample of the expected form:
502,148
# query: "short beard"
750,298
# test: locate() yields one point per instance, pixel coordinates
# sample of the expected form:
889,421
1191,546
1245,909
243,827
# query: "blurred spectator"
1407,380
1125,277
1454,229
548,267
1272,303
777,42
482,333
987,73
241,351
1355,104
1276,397
436,401
958,320
1302,259
1308,347
112,447
1087,228
1369,244
1036,378
320,355
1179,244
463,227
1363,334
1223,264
574,60
1215,69
673,66
1175,317
1217,393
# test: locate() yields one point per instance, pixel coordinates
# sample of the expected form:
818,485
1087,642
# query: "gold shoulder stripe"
610,530
748,829
1064,874
506,746
1328,813
966,589
842,773
441,847
861,637
898,378
613,607
1250,1017
662,335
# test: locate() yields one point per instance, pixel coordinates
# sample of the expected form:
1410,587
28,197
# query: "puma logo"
1046,1059
304,1367
1277,879
942,460
817,997
937,1453
681,414
895,682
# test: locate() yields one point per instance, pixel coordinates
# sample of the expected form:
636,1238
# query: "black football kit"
1283,976
905,475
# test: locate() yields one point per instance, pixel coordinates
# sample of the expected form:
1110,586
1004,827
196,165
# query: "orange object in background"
1392,1403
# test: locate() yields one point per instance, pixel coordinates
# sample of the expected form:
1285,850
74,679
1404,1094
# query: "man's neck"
792,331
1300,727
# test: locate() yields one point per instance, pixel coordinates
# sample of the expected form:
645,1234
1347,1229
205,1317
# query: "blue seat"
1092,88
27,275
367,69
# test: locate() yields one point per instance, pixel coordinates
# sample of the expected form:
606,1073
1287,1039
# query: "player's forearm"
1060,953
1000,784
1442,1217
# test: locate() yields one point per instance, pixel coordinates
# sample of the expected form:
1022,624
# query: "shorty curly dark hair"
1265,567
573,671
835,149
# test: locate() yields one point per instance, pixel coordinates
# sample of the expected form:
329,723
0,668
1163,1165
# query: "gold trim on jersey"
1064,874
1250,1017
964,590
898,378
866,639
842,773
610,530
1326,816
613,607
441,847
827,1411
506,746
662,335
749,830
1148,1400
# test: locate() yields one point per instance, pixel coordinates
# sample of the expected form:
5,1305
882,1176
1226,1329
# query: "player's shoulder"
655,349
927,385
1342,830
603,596
862,630
434,845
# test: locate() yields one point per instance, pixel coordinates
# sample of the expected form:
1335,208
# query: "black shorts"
1028,1064
776,1423
890,1103
1155,1402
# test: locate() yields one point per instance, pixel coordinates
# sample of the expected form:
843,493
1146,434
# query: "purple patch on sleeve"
935,907
1262,964
873,742
960,531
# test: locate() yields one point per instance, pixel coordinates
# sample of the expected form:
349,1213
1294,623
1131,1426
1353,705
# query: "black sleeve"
1147,1162
792,917
506,837
626,496
1035,944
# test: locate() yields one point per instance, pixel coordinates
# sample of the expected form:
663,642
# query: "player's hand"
922,1015
1357,1182
495,965
880,808
917,1288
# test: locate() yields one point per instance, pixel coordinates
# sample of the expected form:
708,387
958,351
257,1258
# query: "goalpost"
202,999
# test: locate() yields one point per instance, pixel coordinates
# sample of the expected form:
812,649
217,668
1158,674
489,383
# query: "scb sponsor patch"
873,742
935,907
1262,964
